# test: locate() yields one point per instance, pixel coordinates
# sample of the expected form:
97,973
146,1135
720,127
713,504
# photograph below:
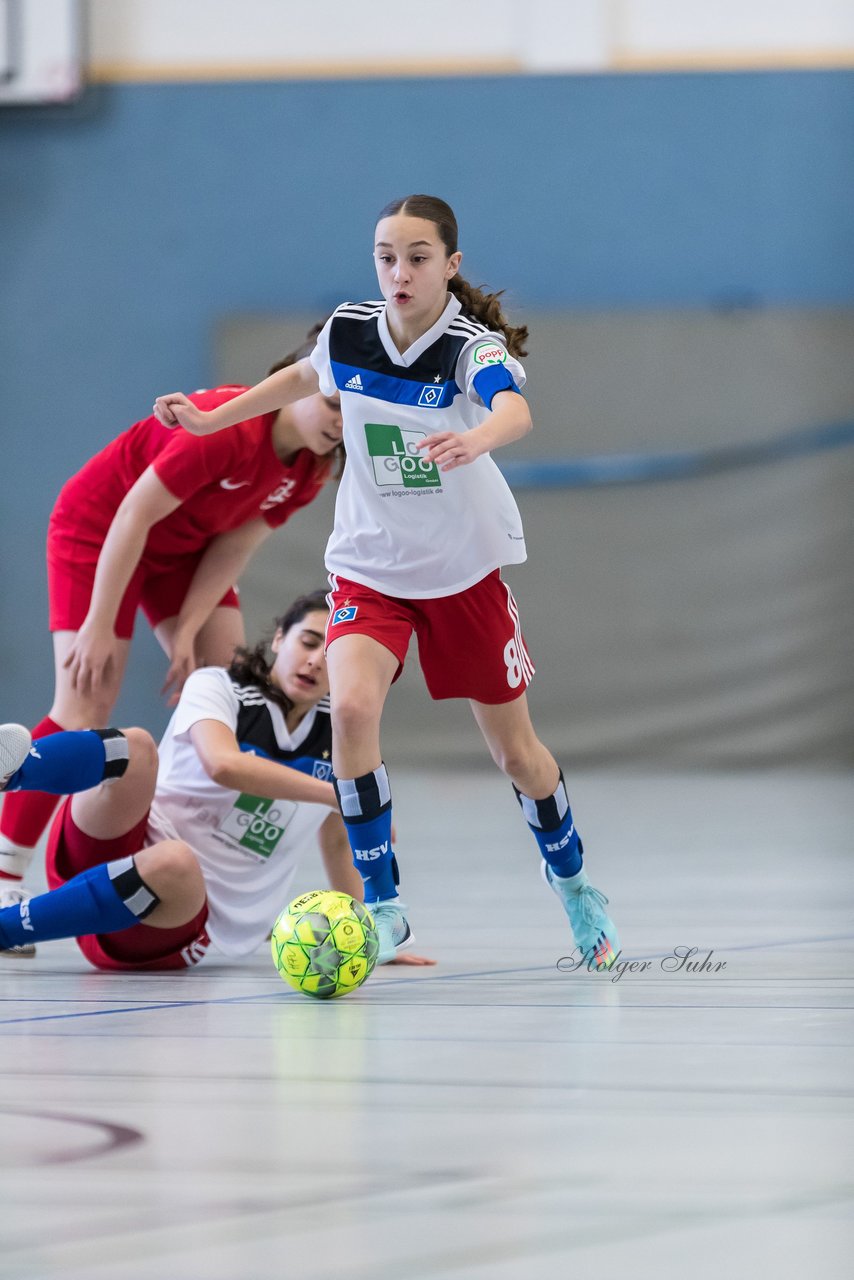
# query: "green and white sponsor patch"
396,458
256,824
489,353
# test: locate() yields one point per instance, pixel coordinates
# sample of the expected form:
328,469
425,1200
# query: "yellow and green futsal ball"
324,944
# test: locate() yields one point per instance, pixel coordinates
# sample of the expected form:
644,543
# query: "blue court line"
152,1006
686,464
155,1006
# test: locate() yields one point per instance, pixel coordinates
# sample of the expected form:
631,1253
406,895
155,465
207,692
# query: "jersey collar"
290,741
453,308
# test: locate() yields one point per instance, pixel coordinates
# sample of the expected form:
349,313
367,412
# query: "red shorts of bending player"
470,645
70,851
158,585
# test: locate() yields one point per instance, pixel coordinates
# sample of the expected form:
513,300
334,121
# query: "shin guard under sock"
365,804
102,899
551,822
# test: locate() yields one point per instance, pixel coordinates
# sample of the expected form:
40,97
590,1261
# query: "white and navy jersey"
402,526
248,847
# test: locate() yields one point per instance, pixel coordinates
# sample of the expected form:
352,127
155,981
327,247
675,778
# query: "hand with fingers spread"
450,449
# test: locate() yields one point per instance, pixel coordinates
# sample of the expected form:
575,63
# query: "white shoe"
12,895
15,743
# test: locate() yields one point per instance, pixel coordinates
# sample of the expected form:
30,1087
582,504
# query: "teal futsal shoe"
393,928
593,929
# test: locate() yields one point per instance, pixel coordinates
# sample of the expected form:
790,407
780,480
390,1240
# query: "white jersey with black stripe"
402,526
248,847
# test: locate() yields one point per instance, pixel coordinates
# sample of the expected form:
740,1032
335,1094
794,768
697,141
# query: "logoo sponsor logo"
396,458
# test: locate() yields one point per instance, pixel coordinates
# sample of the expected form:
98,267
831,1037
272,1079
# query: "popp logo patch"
489,353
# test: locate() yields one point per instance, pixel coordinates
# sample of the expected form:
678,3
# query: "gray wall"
134,223
687,622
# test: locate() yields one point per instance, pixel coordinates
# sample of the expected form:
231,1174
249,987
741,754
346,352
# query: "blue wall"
132,222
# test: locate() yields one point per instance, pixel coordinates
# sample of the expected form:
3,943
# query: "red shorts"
70,851
470,645
158,588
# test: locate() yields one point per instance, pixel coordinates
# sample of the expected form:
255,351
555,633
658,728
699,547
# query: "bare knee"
512,760
142,750
352,719
528,765
171,870
169,864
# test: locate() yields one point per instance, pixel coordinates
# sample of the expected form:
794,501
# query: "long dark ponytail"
253,666
485,307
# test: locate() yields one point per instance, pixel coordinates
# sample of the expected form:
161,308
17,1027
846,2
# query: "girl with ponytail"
430,384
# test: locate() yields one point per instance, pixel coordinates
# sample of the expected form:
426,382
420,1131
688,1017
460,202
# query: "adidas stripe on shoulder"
359,310
467,324
464,321
249,695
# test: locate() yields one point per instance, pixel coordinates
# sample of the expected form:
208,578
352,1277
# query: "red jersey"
224,480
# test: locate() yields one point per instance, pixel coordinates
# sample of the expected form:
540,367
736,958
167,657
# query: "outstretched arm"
509,420
283,387
228,766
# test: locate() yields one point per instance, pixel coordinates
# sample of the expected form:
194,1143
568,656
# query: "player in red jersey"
164,521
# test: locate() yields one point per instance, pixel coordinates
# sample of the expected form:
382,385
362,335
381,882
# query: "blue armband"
492,379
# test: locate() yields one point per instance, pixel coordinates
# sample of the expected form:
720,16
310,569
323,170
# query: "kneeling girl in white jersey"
197,850
429,385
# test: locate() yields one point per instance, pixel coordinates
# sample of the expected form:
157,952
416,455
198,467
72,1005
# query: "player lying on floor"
149,867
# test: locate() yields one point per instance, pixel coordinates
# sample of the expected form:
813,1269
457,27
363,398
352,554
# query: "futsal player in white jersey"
430,384
167,860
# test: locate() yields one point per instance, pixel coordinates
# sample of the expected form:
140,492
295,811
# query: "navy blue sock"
73,760
551,822
102,899
365,804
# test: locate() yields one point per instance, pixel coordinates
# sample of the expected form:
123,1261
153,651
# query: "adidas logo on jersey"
355,384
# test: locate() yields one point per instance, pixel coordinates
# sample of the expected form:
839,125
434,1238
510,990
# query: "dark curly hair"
253,666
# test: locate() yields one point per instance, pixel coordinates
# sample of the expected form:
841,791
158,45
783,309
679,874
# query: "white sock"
14,858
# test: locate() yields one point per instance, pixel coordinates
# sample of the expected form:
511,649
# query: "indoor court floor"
496,1117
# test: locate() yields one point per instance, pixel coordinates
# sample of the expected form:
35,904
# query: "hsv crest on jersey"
430,398
345,614
489,353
